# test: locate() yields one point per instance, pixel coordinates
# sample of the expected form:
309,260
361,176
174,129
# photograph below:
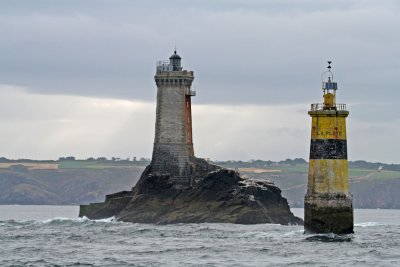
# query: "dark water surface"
53,236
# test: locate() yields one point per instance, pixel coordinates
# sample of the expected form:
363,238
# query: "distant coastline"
70,181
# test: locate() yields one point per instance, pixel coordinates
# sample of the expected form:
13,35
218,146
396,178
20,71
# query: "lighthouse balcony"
190,92
321,106
167,66
164,65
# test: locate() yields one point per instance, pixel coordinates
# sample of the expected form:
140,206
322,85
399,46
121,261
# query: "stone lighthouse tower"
328,205
173,152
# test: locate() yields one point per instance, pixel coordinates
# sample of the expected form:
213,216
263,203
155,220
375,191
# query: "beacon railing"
321,106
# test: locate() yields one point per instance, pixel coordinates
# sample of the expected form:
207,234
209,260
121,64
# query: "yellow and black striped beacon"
328,205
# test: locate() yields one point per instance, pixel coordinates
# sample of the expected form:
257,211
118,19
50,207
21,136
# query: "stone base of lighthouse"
174,160
328,213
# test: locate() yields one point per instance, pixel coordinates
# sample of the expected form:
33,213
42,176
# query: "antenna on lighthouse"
329,87
330,77
327,72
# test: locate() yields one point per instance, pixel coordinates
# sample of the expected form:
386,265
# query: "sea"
55,236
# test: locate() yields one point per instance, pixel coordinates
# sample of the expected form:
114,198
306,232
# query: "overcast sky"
76,77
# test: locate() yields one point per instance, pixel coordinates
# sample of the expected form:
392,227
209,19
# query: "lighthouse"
173,153
328,205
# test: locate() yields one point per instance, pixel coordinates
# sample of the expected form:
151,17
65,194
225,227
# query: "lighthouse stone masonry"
173,152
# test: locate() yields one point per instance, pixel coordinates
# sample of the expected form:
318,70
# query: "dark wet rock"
217,196
328,213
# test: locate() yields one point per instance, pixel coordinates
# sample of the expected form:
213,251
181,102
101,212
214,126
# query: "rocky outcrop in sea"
217,195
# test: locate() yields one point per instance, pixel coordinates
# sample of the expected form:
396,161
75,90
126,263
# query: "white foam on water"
111,219
79,220
368,224
294,233
63,219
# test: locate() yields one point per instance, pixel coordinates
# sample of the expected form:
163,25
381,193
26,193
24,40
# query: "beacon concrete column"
328,203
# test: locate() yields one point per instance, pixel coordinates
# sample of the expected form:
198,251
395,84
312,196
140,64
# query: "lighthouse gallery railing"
321,106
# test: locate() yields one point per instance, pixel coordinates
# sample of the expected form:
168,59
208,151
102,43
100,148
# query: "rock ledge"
218,196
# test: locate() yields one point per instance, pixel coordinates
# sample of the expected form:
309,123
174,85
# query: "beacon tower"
173,152
328,205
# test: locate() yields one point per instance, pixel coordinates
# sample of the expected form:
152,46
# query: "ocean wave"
61,220
368,224
14,223
294,233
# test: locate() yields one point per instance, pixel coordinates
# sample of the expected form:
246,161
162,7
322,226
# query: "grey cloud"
263,52
375,113
263,55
